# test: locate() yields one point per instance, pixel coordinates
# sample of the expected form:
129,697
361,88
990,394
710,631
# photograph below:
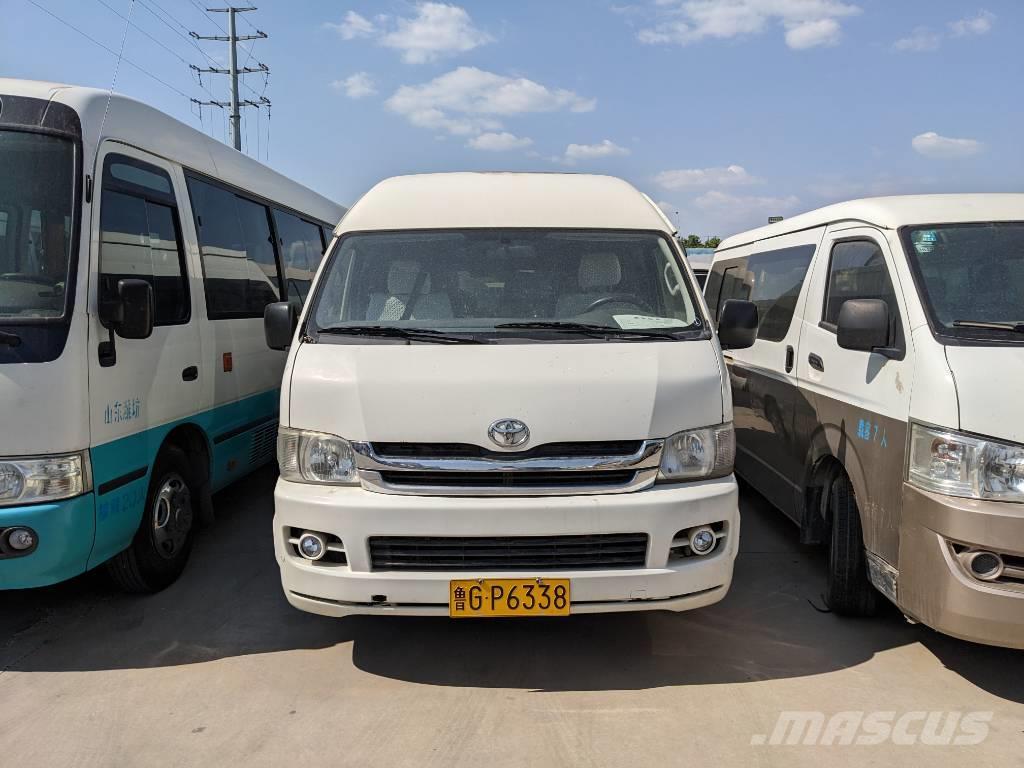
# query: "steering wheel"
617,297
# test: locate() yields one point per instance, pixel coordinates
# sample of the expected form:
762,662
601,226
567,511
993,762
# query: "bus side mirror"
132,313
863,324
279,323
737,325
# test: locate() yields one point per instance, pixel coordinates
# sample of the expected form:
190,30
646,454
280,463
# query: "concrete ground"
219,670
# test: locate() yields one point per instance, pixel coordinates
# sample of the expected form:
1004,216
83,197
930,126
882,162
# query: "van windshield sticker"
924,240
646,321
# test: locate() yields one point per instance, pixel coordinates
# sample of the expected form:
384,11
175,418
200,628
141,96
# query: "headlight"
46,478
697,454
315,457
956,464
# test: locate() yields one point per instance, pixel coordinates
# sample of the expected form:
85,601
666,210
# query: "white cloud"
499,142
434,31
931,144
733,175
920,40
807,23
356,86
810,34
976,25
574,153
353,26
725,214
467,101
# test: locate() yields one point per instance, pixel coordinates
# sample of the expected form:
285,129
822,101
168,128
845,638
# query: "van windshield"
972,277
36,193
489,284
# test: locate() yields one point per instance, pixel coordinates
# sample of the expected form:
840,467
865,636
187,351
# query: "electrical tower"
232,38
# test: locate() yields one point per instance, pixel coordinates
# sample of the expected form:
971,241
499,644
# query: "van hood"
988,381
452,394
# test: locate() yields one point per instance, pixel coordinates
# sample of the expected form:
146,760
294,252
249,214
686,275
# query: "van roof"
140,125
894,211
464,200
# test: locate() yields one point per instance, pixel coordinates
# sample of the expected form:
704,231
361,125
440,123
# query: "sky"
725,112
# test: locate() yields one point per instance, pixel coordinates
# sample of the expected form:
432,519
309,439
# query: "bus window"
139,237
237,248
301,251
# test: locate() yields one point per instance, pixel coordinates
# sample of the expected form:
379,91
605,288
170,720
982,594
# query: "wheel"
850,592
161,546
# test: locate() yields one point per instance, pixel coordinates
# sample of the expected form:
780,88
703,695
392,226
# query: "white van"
880,406
136,257
504,398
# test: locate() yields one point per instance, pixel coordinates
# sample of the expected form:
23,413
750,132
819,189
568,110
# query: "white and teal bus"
136,258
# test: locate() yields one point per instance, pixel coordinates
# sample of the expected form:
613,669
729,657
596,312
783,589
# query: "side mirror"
131,315
279,323
737,325
863,325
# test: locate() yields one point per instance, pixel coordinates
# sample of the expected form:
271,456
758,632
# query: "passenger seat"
403,277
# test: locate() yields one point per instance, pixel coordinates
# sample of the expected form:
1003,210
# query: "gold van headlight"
950,462
31,480
698,454
315,457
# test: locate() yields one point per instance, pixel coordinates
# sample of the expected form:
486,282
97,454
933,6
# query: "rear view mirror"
279,323
131,314
863,325
737,324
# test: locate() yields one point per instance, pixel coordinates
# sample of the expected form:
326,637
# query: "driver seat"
599,274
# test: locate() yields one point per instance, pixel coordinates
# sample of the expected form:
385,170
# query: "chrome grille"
453,469
505,553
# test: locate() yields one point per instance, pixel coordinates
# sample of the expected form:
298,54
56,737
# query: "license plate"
508,597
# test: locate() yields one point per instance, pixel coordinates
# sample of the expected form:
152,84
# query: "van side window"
772,280
857,270
140,237
237,248
301,252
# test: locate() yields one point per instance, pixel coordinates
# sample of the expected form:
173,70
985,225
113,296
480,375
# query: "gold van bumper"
936,589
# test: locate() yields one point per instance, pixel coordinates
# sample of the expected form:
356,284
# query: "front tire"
850,592
161,546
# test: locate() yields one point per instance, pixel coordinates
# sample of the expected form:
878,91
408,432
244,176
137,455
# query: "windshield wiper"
589,329
10,339
394,332
1015,327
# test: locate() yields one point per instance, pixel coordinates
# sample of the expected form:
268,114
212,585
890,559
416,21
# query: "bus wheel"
850,592
161,546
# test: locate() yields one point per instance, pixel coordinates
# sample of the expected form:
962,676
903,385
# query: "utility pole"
232,39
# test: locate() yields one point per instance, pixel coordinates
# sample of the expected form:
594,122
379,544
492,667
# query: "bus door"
139,388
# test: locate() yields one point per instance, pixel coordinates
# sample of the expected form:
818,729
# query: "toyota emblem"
509,433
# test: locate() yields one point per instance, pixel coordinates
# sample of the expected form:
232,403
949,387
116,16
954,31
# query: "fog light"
311,546
702,540
20,539
984,566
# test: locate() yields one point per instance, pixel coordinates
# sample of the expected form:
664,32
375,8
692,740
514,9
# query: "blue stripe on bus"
119,510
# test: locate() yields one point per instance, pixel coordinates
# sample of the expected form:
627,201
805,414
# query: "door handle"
816,362
190,374
789,358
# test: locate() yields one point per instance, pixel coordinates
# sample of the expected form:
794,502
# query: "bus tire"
850,592
160,548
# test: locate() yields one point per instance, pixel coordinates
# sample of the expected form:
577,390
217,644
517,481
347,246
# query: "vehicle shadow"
229,604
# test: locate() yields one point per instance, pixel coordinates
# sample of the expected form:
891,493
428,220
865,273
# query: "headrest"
599,270
402,278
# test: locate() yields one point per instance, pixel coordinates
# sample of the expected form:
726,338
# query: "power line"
112,52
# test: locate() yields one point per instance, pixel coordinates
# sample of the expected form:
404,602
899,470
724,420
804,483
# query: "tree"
693,241
713,242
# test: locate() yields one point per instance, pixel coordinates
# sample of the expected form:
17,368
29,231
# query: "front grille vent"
508,553
510,480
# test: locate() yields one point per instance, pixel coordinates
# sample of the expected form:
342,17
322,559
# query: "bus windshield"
36,195
972,276
491,283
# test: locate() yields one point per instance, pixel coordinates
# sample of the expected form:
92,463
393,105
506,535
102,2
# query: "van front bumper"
65,531
935,589
354,515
